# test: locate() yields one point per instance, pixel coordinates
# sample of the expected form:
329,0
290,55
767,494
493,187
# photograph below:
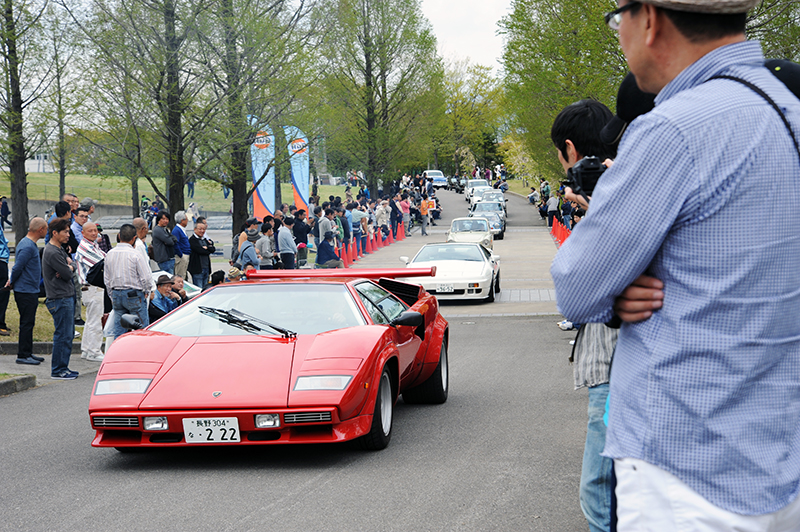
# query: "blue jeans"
63,312
357,240
127,301
201,279
596,484
566,219
167,266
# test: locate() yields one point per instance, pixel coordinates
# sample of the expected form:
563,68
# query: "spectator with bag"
88,255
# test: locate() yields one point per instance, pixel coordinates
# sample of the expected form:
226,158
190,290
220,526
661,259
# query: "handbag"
94,276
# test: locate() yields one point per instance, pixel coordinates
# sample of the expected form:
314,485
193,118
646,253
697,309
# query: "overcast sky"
468,28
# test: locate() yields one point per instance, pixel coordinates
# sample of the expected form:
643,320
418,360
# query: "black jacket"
199,258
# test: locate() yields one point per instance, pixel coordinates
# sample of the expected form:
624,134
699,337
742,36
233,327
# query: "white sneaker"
77,334
565,325
84,354
95,358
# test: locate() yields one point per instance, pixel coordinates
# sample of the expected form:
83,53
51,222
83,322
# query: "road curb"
17,384
39,348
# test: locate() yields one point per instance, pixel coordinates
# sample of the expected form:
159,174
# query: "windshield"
434,173
477,183
466,226
493,196
304,308
449,252
487,207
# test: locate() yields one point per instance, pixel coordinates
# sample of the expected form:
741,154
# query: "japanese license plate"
444,288
211,429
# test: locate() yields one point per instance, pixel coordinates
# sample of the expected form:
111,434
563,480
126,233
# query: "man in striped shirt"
128,279
88,255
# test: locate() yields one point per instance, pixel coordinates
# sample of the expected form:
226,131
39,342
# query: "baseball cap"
88,202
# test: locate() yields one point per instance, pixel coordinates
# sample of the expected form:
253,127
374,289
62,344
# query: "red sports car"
306,356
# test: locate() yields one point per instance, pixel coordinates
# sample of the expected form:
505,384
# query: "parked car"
439,180
476,230
275,359
463,270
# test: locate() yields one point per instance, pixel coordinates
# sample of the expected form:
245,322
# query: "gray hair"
180,216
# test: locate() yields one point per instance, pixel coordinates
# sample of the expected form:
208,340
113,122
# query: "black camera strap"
769,100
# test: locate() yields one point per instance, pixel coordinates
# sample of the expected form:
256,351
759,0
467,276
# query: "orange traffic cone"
369,244
353,254
344,257
390,238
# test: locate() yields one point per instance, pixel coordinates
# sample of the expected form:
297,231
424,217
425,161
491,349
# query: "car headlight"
268,421
156,423
323,382
115,386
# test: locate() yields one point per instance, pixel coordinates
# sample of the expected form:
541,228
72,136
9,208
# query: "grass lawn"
117,190
42,330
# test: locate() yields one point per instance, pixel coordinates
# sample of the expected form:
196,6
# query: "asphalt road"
503,453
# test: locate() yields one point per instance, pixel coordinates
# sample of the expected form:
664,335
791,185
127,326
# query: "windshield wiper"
244,321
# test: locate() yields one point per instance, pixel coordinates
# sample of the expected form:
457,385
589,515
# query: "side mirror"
408,318
495,257
404,260
131,322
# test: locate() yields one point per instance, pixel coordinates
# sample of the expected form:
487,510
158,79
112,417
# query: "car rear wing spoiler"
355,273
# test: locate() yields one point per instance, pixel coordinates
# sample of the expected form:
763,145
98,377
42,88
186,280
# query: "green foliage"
776,23
383,77
556,54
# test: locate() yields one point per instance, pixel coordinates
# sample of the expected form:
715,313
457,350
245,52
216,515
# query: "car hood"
216,373
452,269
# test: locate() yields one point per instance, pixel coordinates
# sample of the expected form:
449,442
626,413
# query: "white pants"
92,338
650,499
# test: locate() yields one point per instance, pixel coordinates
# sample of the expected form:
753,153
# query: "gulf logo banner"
262,155
297,144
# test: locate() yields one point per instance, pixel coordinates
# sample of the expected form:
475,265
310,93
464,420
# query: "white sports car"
473,230
463,271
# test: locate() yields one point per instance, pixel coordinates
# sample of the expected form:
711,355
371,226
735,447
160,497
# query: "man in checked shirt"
128,279
704,414
89,254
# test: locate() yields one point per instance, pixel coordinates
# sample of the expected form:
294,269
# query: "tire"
434,390
490,299
380,433
497,284
501,235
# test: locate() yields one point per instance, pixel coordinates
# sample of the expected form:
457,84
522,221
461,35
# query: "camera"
583,176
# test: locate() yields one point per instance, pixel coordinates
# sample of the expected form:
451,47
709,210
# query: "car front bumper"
461,290
324,427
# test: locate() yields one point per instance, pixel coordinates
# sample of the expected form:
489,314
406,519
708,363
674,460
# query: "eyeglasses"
614,18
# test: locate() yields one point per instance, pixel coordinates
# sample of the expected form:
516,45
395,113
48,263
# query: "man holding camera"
575,132
704,415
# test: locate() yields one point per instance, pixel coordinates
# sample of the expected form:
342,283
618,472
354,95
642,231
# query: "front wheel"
380,433
497,284
434,390
490,299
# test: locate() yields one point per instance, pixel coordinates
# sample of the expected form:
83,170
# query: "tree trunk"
174,110
135,200
16,142
60,115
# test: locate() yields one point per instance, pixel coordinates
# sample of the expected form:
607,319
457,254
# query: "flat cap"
717,7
